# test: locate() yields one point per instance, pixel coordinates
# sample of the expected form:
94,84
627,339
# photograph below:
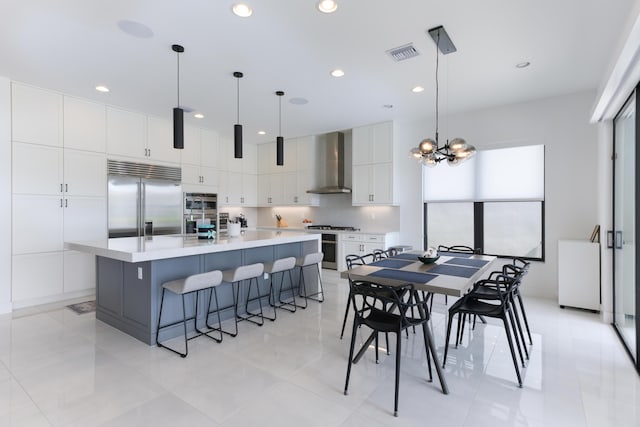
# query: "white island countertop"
140,249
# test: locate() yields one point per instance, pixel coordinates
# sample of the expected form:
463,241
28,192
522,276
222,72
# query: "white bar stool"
307,261
182,287
282,265
236,275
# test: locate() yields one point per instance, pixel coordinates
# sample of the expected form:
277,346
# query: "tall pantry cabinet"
58,192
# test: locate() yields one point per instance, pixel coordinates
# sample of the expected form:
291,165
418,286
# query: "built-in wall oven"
330,250
199,208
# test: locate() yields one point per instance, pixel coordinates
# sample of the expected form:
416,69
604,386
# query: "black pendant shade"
178,113
280,151
178,128
279,138
237,141
237,128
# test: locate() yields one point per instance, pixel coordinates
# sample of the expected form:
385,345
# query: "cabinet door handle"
610,239
66,203
66,188
61,203
618,239
149,152
61,188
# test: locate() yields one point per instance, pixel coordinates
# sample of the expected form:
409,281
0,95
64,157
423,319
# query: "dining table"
450,273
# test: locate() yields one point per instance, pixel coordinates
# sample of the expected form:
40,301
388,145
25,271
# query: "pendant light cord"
437,87
178,78
238,98
279,115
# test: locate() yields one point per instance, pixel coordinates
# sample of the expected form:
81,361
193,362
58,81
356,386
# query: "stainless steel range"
330,244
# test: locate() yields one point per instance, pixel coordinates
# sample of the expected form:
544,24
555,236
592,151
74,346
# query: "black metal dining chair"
494,300
387,309
456,249
351,261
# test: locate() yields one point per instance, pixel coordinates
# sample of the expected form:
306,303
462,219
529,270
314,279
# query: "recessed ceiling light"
524,64
337,73
299,101
135,29
198,116
261,132
417,89
327,6
242,10
101,88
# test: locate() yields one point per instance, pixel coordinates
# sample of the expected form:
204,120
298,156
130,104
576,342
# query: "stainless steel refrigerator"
144,199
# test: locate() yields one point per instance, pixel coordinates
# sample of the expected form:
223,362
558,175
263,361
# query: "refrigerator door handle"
141,190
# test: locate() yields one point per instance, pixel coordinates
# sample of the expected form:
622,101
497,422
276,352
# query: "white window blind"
501,174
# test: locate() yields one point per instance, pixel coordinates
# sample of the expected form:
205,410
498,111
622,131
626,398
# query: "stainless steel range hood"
330,170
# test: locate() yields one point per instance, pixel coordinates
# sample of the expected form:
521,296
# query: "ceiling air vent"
403,52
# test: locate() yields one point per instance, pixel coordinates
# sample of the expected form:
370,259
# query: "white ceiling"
73,45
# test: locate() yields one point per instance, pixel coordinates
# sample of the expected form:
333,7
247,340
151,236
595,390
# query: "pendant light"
237,128
279,138
429,152
178,113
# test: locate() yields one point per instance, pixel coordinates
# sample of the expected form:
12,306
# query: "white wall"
5,195
571,165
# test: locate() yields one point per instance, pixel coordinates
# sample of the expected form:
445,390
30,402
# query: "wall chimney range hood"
331,165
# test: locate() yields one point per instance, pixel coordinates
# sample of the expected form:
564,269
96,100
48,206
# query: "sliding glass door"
624,235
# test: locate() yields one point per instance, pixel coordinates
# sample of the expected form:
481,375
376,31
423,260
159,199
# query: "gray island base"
130,273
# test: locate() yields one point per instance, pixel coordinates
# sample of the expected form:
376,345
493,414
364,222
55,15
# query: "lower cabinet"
39,277
358,244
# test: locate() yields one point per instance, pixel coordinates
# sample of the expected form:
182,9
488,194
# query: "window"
493,203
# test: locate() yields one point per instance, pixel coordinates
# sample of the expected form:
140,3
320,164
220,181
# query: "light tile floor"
58,368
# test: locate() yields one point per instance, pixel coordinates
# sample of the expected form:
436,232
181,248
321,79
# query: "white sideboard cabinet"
579,274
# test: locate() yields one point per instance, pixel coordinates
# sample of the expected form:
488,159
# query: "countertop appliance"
200,208
143,199
330,244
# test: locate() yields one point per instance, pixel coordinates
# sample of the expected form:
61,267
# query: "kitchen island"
130,272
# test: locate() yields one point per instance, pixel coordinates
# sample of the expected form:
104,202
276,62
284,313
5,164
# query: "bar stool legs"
308,261
234,276
282,266
192,284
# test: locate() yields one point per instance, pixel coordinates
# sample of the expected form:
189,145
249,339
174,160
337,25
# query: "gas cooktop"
332,227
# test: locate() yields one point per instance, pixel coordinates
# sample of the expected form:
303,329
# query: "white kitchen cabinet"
85,173
579,274
238,189
36,116
271,191
36,276
85,125
37,223
359,244
373,184
160,140
36,169
46,170
85,218
201,147
200,160
266,158
126,133
373,143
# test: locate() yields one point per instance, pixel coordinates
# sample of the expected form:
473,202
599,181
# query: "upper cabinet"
85,125
373,144
373,165
36,116
136,135
160,140
287,185
126,133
